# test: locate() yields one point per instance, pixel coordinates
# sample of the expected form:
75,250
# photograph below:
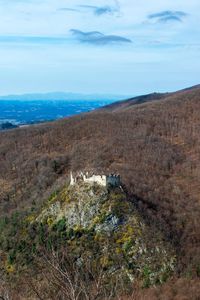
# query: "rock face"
101,224
78,204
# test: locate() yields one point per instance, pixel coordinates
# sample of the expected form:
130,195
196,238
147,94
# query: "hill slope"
126,104
155,146
96,229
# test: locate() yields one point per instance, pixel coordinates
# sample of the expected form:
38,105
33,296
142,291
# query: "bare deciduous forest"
154,146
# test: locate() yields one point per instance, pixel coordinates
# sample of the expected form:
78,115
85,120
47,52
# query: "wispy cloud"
69,9
96,10
100,10
164,34
33,40
98,38
168,16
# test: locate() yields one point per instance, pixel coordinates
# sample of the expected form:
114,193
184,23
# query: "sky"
124,47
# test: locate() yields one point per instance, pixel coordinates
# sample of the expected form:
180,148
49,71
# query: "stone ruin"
103,180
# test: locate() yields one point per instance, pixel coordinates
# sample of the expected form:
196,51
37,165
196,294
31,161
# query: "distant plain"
22,112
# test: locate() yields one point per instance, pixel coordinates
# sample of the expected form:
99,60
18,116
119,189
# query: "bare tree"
65,278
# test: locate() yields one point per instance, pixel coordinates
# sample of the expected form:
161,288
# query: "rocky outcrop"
108,223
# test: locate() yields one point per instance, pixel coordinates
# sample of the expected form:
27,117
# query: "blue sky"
99,46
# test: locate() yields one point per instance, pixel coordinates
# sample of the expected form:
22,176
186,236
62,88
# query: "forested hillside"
154,146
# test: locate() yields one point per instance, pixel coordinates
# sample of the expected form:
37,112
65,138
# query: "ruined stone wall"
113,180
103,180
99,179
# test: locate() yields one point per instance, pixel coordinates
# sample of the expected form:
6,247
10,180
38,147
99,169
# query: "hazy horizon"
86,96
62,93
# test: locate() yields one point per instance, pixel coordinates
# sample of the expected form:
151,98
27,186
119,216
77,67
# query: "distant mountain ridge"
63,96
